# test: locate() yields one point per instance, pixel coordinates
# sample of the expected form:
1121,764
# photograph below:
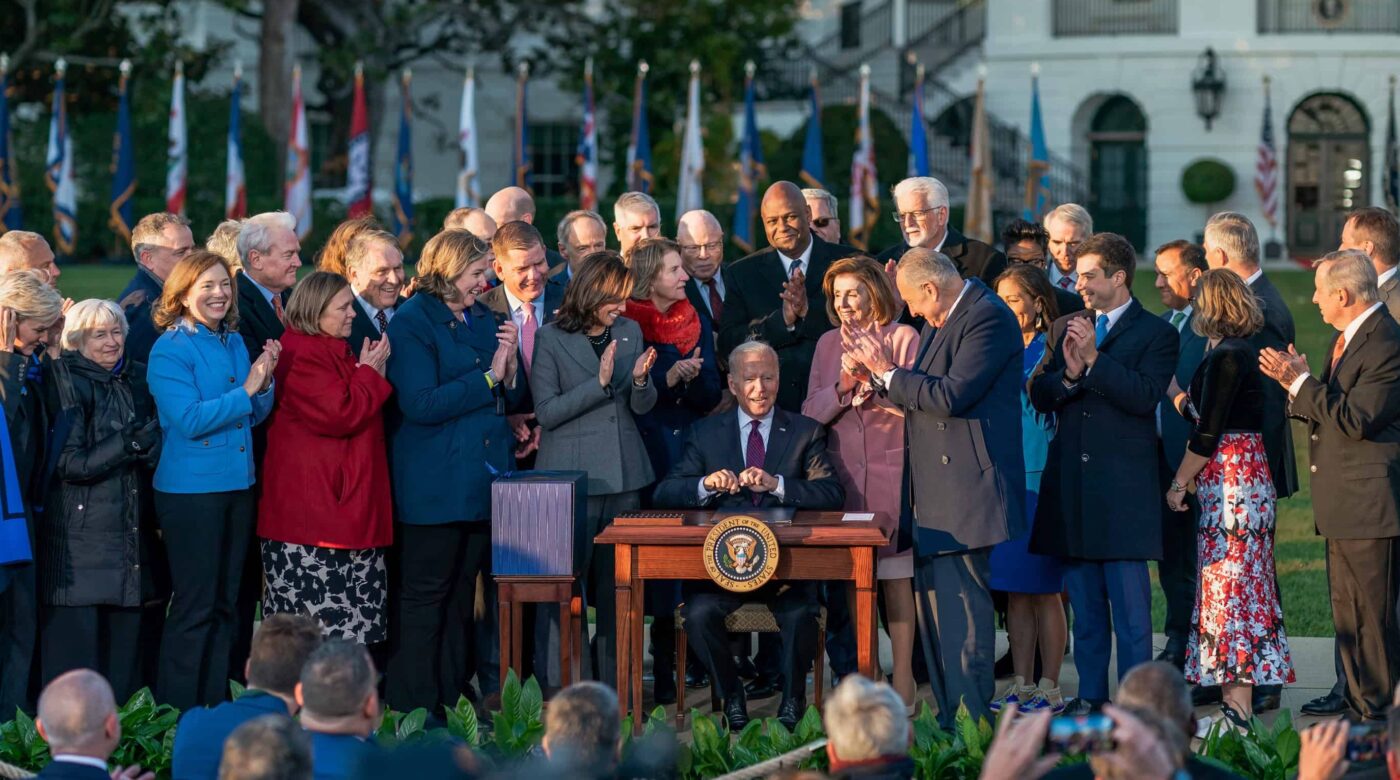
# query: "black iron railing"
1115,17
1324,16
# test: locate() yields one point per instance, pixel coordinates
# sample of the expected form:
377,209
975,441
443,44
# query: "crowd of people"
231,437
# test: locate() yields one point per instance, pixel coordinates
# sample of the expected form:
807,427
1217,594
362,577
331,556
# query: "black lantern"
1208,82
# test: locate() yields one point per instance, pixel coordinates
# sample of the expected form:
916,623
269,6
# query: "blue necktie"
1100,329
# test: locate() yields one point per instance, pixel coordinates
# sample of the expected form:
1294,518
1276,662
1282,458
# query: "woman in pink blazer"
866,432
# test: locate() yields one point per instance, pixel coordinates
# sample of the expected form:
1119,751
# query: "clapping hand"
683,371
892,271
869,350
1085,340
642,367
794,297
375,354
504,361
1069,351
1283,367
605,364
260,373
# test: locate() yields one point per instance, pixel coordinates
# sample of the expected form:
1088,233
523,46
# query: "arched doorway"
1328,158
1118,169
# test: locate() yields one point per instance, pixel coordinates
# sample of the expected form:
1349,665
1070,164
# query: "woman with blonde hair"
866,441
1237,639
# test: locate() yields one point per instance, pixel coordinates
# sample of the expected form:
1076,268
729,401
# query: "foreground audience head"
864,721
580,234
520,262
338,692
1065,227
929,283
822,211
511,204
1105,263
78,715
597,295
1125,763
1344,286
1028,292
635,217
159,241
452,268
473,220
333,255
581,729
95,329
701,240
280,648
321,304
858,291
36,305
921,209
1376,232
271,747
374,268
1225,307
224,241
22,250
1026,243
201,288
1160,688
1232,242
657,271
786,220
753,377
270,250
1179,265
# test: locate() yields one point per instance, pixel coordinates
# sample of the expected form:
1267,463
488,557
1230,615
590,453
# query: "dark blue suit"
665,427
141,292
1177,571
1100,502
338,756
199,739
965,485
68,770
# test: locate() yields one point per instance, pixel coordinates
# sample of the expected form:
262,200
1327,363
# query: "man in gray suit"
1376,232
1179,266
964,474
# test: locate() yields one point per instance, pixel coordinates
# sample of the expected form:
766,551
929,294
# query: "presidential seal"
741,553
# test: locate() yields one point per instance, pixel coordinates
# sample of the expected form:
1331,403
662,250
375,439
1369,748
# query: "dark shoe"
1266,697
696,679
790,711
1174,653
736,711
1234,718
664,692
1327,704
744,665
1201,695
761,688
1003,667
1079,707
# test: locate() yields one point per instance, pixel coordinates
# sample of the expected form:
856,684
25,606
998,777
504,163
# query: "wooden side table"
517,591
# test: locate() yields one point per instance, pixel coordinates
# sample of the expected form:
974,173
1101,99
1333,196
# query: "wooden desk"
815,546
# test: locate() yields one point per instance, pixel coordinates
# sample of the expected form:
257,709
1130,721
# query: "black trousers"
19,629
431,611
204,535
101,637
794,604
1178,568
1364,575
596,563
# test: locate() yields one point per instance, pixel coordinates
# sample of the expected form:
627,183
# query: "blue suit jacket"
142,291
964,472
447,440
67,770
196,377
199,739
338,756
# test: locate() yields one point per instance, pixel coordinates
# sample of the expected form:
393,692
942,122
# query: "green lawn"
1299,552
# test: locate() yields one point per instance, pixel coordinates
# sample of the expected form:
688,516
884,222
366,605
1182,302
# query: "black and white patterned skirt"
344,589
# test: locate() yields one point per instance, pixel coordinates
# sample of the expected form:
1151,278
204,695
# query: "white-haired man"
867,730
1068,224
635,217
921,209
271,254
158,242
702,252
826,219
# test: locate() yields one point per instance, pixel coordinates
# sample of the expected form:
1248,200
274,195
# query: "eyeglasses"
821,222
711,248
900,217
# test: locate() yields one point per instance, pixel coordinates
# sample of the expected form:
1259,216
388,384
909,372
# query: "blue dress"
1014,568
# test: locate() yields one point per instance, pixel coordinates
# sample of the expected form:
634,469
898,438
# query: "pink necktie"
527,335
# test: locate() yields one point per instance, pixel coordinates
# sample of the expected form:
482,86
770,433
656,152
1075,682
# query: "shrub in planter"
1207,181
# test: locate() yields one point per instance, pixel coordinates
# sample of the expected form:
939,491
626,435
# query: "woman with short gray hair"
89,540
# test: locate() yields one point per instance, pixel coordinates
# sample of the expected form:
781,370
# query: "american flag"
1266,168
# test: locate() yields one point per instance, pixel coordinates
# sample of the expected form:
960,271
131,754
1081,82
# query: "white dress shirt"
373,310
1186,317
1385,277
1350,331
70,758
1056,275
765,427
704,288
803,262
517,313
1254,277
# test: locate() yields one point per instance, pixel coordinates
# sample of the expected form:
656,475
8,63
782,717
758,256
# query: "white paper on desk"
857,517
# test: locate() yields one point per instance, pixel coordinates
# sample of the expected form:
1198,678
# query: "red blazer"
326,472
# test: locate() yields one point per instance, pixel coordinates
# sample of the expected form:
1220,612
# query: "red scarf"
678,326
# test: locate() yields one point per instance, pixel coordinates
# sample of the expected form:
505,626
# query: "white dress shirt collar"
746,424
804,262
1056,275
1254,277
1356,324
1387,276
967,285
372,310
70,758
1114,315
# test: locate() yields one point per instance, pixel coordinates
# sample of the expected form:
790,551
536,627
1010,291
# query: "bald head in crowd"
701,239
511,204
23,250
473,220
786,220
78,715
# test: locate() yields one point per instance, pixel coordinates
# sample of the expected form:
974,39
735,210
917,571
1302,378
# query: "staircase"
939,34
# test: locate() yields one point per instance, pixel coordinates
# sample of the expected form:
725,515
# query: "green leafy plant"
1207,181
518,726
148,733
1264,753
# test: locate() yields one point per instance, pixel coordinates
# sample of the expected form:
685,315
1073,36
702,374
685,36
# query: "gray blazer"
587,427
1390,296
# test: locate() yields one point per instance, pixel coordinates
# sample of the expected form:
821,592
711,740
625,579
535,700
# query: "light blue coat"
196,377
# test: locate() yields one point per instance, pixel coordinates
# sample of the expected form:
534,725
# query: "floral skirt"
344,589
1237,631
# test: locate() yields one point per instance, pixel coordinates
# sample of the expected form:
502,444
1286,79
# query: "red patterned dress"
1237,633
